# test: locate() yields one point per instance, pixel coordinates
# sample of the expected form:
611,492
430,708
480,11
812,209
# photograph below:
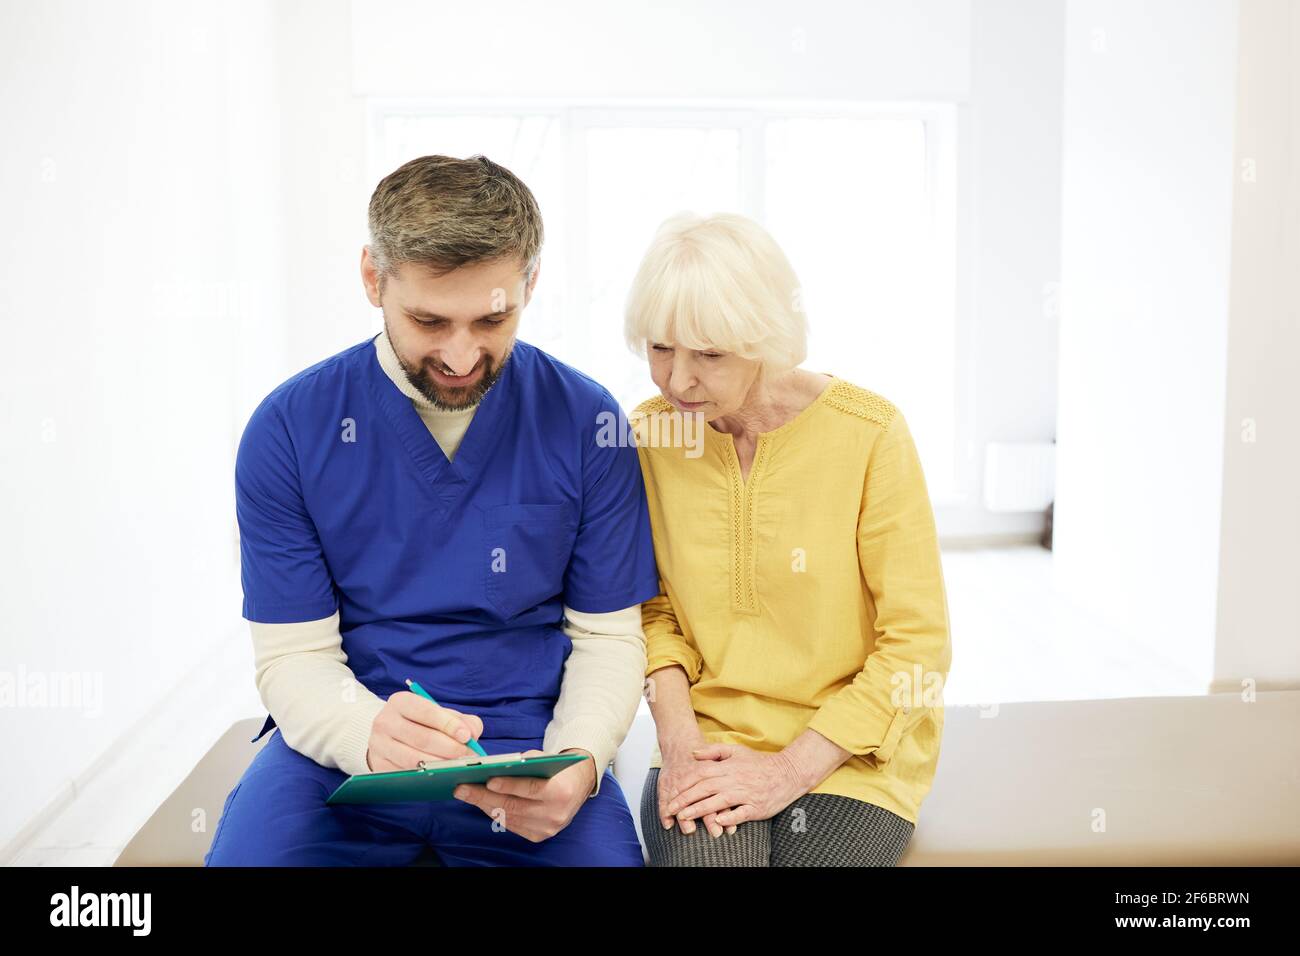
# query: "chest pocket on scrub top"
525,554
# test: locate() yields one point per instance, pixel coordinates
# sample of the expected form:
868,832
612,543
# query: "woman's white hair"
718,282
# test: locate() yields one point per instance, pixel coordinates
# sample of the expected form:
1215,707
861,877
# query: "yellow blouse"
809,595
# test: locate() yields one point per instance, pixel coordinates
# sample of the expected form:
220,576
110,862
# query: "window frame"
941,122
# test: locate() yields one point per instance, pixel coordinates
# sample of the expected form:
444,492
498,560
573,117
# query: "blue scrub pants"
277,816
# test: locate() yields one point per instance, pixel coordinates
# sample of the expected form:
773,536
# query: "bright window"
861,199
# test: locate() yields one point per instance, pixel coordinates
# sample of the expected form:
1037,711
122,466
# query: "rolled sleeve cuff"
661,653
585,734
862,732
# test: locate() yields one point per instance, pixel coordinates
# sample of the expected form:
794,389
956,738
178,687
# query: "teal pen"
473,744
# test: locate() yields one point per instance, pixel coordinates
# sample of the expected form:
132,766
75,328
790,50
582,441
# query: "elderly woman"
799,643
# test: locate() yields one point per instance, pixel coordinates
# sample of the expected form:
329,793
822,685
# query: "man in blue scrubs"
372,554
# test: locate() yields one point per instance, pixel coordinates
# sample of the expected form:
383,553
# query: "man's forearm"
601,686
589,766
322,710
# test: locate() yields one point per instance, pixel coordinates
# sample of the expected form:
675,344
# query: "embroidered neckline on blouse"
744,492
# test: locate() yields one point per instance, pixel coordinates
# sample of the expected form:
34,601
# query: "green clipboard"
435,780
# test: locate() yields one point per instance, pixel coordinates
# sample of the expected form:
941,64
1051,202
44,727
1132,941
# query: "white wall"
1010,260
1258,633
666,48
1146,215
1000,59
140,245
326,191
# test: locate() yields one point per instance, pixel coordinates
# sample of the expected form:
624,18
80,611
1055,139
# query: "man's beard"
453,399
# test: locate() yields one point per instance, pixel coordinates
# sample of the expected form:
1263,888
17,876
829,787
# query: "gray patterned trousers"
818,829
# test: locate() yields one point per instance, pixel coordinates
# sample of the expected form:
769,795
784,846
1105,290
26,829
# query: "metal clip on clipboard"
473,761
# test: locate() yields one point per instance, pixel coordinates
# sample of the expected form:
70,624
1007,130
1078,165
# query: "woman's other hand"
678,767
732,784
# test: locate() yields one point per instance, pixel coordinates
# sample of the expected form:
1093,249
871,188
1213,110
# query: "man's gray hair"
443,213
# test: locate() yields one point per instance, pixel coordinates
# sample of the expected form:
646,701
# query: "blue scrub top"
451,574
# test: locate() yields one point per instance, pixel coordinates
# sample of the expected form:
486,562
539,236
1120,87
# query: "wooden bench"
1206,780
1183,781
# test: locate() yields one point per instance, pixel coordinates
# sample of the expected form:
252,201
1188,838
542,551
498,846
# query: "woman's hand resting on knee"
678,765
732,784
